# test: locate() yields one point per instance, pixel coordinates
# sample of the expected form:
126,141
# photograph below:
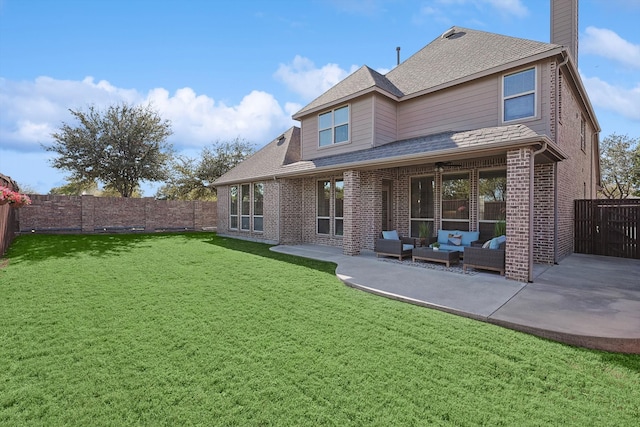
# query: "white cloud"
625,102
606,43
30,111
303,78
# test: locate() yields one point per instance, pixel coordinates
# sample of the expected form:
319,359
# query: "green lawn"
195,329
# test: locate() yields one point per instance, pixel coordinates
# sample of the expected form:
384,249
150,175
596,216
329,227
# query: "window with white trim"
258,207
333,127
519,95
233,207
245,207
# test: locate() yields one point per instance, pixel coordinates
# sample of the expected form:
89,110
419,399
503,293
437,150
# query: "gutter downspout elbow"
531,210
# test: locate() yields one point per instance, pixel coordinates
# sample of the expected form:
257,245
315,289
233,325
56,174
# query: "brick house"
472,129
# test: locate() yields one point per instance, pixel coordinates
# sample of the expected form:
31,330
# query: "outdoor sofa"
456,240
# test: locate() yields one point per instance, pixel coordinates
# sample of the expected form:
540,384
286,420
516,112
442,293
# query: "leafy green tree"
76,188
619,166
120,147
191,179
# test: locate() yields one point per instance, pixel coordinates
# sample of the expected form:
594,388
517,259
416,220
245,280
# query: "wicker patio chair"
400,247
485,258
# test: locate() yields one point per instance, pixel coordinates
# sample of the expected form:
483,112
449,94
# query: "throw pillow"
486,244
497,241
390,235
455,239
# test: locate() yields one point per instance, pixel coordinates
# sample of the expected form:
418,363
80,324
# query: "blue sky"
225,69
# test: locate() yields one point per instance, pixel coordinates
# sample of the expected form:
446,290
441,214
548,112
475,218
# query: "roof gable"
446,60
464,53
359,81
267,161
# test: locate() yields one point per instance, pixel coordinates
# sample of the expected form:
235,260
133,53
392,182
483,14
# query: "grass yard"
195,329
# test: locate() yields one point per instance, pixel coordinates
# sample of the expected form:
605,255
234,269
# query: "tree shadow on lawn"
40,247
262,249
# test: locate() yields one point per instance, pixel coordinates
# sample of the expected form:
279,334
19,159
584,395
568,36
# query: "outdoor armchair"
390,243
485,258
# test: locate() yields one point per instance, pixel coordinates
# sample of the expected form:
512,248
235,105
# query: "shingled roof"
274,162
444,61
268,161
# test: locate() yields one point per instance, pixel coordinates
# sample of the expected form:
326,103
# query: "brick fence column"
351,240
88,213
518,214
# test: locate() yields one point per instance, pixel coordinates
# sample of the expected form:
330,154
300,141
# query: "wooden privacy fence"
607,227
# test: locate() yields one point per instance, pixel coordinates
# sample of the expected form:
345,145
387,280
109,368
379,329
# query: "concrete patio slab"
586,300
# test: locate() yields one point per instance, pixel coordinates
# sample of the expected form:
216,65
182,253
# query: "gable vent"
448,33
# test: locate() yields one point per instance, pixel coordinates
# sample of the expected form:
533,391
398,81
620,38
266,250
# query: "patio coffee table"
428,254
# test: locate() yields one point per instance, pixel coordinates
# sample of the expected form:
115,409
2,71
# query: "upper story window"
519,95
333,126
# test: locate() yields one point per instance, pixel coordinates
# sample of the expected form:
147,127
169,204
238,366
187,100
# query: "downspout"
555,164
531,182
275,182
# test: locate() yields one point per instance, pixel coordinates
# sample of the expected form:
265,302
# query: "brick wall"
352,212
89,214
575,175
543,222
290,210
518,214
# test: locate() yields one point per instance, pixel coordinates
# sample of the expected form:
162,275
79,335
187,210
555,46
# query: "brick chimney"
564,25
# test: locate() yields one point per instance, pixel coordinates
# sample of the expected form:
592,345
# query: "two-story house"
472,129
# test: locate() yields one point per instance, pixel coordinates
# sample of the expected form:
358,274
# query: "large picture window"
258,207
455,201
519,95
245,207
233,207
333,126
422,203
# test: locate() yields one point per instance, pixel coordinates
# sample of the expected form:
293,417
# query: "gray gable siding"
385,121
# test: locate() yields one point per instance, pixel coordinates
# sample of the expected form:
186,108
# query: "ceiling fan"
440,165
